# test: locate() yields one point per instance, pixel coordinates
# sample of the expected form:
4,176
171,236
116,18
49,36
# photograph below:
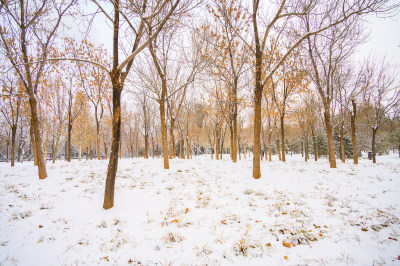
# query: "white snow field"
202,211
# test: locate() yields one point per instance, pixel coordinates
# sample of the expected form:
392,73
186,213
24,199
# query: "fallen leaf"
258,221
310,230
283,213
325,226
285,257
40,226
392,238
321,234
223,222
174,221
364,229
288,203
288,245
187,210
268,244
130,261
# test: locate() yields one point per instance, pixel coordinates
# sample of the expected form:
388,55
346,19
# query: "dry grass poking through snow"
202,212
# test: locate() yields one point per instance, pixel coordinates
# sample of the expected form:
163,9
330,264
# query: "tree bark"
278,149
13,134
305,148
342,153
353,132
164,130
283,137
269,146
172,139
217,143
116,136
235,143
37,143
314,143
373,144
33,145
331,145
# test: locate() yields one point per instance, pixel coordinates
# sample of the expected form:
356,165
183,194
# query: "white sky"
384,39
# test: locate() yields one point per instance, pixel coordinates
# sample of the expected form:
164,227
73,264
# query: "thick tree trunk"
373,144
331,145
13,134
38,142
164,132
283,138
342,153
116,136
353,132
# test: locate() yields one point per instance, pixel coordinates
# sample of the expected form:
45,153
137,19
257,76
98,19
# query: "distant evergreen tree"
348,148
322,145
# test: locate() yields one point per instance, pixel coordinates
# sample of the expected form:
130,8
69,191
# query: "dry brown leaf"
288,245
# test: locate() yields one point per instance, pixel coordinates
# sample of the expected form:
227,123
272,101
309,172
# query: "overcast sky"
384,39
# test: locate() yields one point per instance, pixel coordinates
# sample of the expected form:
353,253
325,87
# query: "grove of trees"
229,78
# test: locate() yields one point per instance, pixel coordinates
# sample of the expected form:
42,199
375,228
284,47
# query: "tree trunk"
331,145
353,132
172,139
116,136
187,149
164,132
45,150
373,144
315,144
238,146
38,142
305,148
35,161
13,134
269,146
98,140
235,143
217,143
342,153
278,149
80,153
69,129
283,138
231,142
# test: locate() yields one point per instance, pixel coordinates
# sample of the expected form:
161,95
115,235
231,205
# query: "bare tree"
27,35
381,98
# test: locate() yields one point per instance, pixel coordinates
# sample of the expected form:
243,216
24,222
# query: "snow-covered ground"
202,211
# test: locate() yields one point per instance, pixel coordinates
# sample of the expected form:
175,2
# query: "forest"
174,110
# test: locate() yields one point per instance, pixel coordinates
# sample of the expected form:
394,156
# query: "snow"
202,211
